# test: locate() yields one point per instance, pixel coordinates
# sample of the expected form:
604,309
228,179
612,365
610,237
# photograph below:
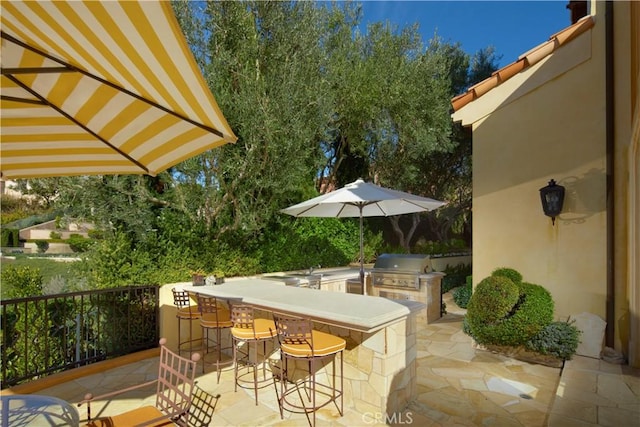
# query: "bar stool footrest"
298,405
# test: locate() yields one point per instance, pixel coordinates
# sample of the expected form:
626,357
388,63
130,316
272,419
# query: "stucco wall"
627,178
169,321
551,125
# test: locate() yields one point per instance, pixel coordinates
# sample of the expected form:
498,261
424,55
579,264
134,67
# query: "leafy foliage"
79,243
56,277
314,103
501,312
560,339
462,294
492,301
455,276
20,282
312,242
509,273
17,208
42,245
10,237
431,247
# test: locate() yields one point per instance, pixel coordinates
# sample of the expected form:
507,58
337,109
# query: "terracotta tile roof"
524,61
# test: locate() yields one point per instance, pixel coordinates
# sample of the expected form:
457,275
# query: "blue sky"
512,27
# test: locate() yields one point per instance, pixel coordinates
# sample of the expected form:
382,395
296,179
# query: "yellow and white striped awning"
100,87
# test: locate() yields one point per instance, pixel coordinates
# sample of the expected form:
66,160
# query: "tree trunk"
404,240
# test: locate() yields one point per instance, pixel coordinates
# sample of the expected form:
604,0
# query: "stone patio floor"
458,385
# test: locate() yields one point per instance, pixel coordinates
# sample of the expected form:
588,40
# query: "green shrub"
533,313
10,237
440,247
55,235
79,243
501,312
311,241
462,295
455,276
558,339
509,273
492,301
21,282
42,245
95,234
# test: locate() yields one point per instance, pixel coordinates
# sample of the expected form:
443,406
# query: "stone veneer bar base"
381,335
379,367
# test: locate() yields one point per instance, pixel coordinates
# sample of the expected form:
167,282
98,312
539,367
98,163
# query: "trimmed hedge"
509,273
10,237
501,312
79,243
492,301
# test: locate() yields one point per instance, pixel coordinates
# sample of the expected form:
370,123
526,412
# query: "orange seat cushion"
323,345
262,329
133,417
208,320
190,312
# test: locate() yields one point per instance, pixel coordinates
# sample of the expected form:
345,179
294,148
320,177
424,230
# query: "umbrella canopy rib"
70,68
86,129
22,100
33,70
100,88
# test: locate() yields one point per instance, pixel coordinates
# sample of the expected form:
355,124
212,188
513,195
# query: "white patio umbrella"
100,87
362,199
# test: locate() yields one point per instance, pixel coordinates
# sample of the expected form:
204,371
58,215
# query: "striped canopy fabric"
99,88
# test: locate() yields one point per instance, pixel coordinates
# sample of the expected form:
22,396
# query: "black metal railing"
53,333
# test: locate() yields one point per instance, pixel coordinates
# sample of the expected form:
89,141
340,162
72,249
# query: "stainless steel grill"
400,270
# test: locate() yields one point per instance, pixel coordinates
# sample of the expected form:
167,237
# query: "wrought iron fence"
53,333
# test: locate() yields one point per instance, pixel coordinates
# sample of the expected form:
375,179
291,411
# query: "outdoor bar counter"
380,357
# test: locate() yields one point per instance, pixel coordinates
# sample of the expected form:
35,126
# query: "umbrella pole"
364,288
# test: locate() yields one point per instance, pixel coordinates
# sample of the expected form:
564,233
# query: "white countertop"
360,312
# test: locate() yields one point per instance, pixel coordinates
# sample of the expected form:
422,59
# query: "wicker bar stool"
187,312
248,330
300,342
213,315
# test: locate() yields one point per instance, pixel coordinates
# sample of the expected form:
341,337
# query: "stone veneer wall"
429,294
379,367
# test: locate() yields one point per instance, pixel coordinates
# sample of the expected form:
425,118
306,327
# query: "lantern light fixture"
552,197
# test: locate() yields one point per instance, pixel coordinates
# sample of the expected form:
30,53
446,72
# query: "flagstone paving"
458,385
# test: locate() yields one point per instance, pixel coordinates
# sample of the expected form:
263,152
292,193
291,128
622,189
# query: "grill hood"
416,263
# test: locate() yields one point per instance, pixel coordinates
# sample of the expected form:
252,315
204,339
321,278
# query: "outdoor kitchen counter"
380,357
357,312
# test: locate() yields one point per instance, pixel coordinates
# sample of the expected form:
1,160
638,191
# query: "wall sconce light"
552,197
